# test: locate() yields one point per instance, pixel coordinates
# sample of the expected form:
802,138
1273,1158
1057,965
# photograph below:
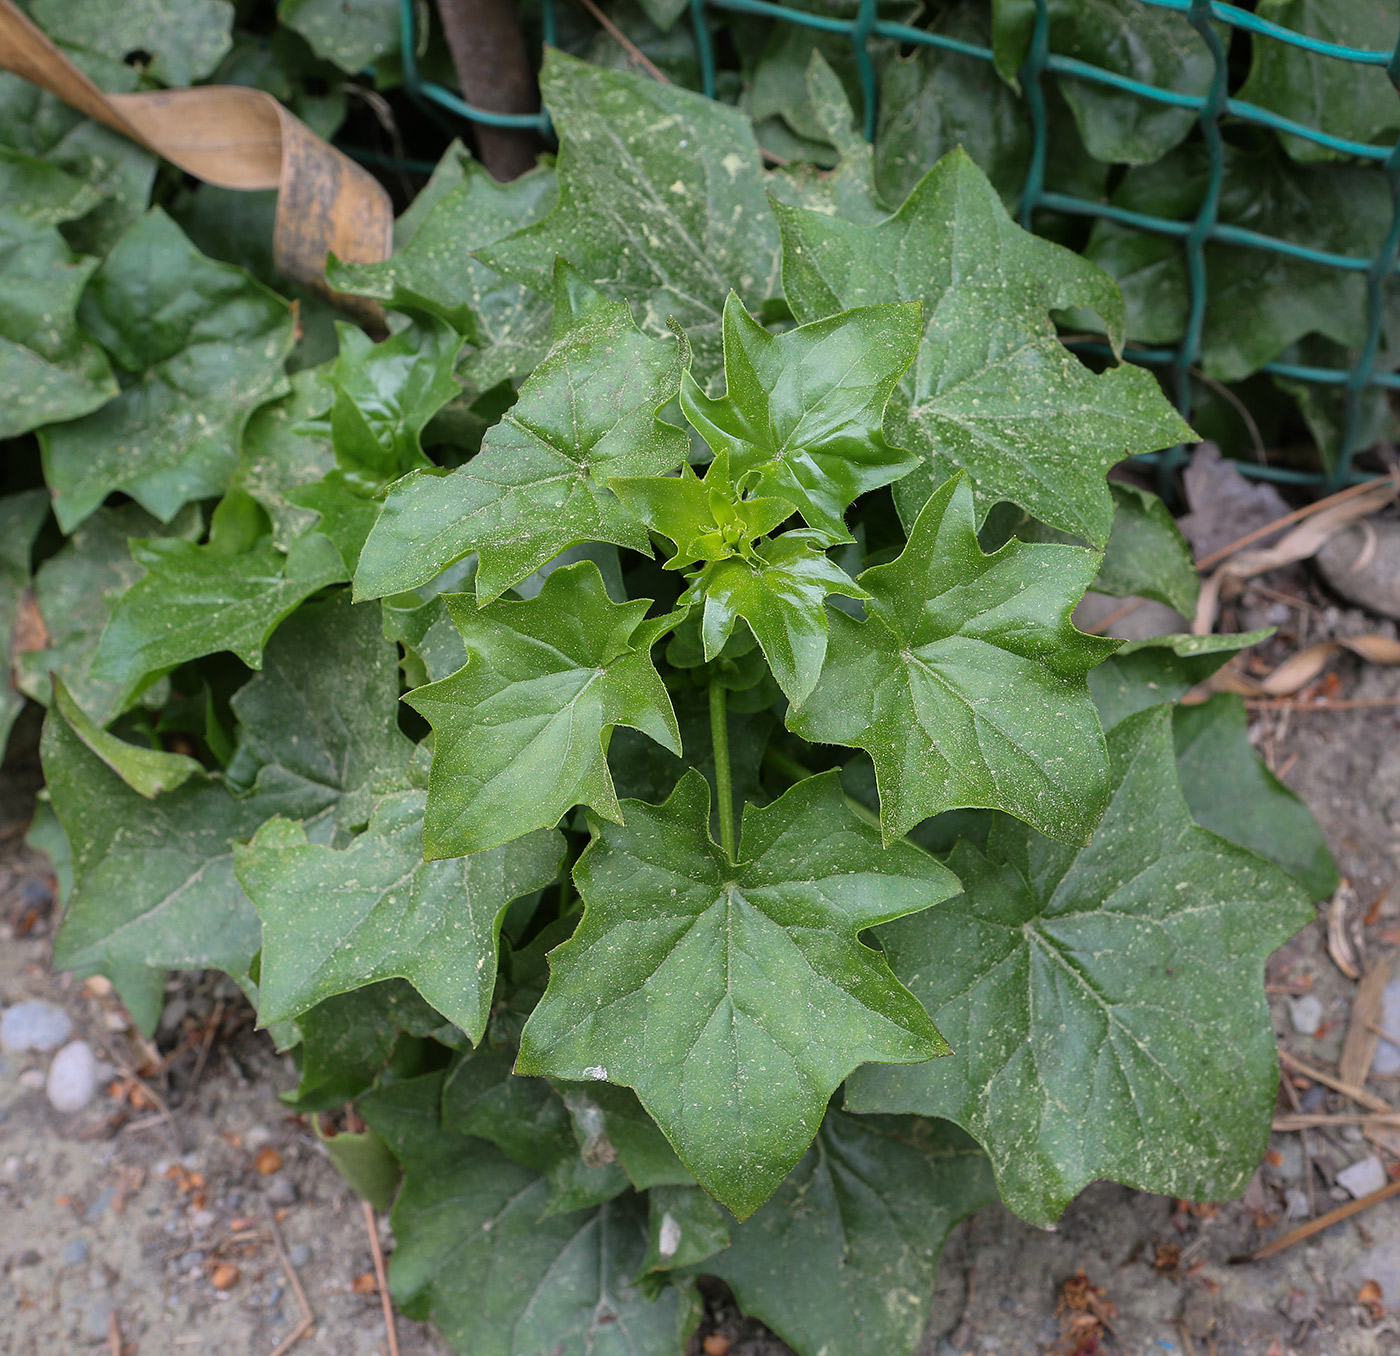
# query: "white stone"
1362,1178
34,1025
1306,1013
72,1077
33,1079
1387,1059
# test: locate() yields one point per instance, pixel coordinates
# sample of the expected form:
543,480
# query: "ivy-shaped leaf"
734,998
49,369
521,731
198,600
76,590
1341,98
843,1258
966,682
351,33
333,921
992,389
686,1227
201,345
781,592
612,1126
1232,792
1106,1003
498,1276
540,482
436,273
802,411
661,201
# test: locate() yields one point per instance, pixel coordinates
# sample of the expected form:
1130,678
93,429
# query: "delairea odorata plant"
699,839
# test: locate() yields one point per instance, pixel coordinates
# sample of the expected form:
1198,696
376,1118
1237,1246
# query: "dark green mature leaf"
1105,1002
528,1120
182,41
436,273
612,1126
197,600
781,592
844,1257
385,393
147,771
992,389
153,883
498,1278
322,716
351,33
540,482
76,590
1232,792
966,684
1261,301
1337,97
521,731
734,998
21,516
49,370
1160,669
1150,45
333,921
661,201
1147,556
286,446
202,345
802,411
686,1227
848,190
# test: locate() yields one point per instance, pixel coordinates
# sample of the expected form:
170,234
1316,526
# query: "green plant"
692,846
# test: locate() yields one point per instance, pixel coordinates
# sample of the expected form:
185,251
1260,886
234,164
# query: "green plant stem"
724,788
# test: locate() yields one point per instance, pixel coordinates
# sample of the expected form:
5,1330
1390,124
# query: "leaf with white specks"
1106,1003
734,998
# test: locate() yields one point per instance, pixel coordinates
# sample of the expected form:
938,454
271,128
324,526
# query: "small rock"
299,1254
28,1258
1314,1099
280,1192
72,1079
32,1078
187,1261
1224,505
1387,1057
226,1276
1362,1178
1362,563
268,1161
75,1253
202,1220
1296,1204
98,1317
716,1344
1306,1013
34,1026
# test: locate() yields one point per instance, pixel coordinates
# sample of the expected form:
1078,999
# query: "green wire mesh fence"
1180,360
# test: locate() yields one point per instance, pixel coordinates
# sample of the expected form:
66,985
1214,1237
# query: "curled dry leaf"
1343,944
1369,1297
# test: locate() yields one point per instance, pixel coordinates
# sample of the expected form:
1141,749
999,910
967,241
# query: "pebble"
299,1254
32,1078
281,1192
1362,563
1306,1013
34,1025
1387,1057
1296,1201
28,1258
75,1253
1362,1178
72,1082
96,1320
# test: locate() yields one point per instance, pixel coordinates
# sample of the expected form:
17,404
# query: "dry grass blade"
114,1334
308,1320
1316,1226
1331,1080
380,1277
1359,1049
1304,1120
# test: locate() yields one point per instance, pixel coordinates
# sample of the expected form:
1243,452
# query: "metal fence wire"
1179,360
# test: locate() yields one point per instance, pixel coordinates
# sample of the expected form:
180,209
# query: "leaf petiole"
719,736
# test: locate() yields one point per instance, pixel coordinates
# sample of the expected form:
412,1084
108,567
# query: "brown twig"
1118,613
380,1277
210,1030
1326,1221
308,1320
1240,408
1330,1080
626,43
114,1334
1288,519
1305,1120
